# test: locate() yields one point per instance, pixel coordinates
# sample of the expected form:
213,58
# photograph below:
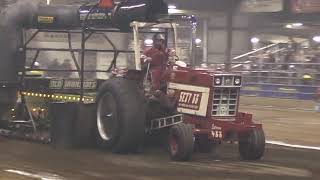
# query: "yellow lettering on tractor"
45,19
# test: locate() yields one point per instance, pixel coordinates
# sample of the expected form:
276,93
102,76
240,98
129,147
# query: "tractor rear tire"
4,111
252,145
181,142
4,123
120,125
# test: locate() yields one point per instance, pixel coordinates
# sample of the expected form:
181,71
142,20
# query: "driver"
157,56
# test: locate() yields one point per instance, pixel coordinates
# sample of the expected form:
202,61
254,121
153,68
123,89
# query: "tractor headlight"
237,81
217,81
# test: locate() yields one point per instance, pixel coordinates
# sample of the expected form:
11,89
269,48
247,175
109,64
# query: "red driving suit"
158,65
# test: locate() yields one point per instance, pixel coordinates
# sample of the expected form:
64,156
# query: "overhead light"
198,41
172,11
48,2
172,6
297,24
293,25
155,29
84,11
148,42
254,40
316,39
289,26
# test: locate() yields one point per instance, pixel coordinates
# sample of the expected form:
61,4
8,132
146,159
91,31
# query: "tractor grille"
225,101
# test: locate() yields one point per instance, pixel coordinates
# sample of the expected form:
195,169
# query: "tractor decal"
191,99
217,134
216,131
72,84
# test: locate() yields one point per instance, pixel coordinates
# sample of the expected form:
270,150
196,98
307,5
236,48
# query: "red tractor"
209,101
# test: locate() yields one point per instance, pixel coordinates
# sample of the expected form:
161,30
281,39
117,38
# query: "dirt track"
282,123
41,161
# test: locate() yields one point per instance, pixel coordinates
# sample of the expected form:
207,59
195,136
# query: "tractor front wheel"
181,142
252,144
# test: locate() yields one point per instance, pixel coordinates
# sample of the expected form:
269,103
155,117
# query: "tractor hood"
205,77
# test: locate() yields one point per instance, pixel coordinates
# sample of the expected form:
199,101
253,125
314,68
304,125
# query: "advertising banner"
305,6
256,6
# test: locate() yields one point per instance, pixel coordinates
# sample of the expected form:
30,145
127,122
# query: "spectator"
54,65
289,58
67,66
309,74
316,59
270,59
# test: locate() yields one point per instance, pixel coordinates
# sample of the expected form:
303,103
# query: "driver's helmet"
181,64
159,36
204,65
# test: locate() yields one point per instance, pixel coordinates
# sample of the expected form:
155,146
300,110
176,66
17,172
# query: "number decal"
181,97
195,99
185,97
189,98
217,134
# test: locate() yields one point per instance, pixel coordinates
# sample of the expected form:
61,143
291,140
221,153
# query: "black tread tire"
4,109
71,124
4,115
252,145
83,125
131,111
185,141
62,116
